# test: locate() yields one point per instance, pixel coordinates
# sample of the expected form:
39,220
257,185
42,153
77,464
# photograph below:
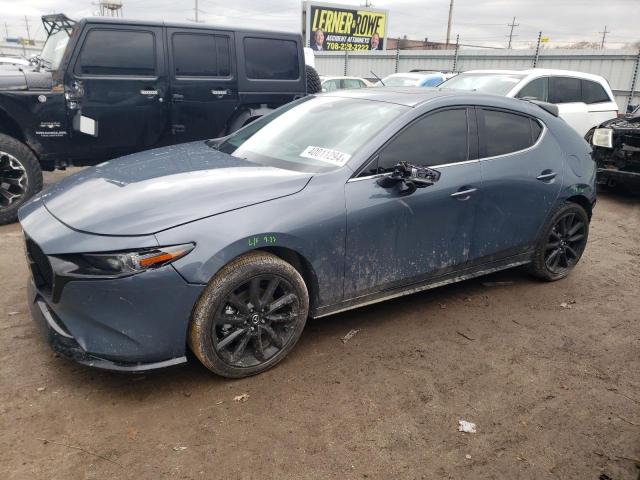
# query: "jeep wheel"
20,177
313,80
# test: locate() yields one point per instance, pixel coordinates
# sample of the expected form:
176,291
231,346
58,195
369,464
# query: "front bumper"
63,343
134,323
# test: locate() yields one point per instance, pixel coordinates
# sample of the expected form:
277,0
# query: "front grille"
40,266
631,140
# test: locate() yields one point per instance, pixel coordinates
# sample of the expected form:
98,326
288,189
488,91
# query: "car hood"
17,77
151,191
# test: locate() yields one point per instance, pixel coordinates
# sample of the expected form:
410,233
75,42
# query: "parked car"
329,84
616,150
10,60
329,203
413,79
106,87
584,100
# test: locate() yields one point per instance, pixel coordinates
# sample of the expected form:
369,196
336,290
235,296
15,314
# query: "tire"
234,338
313,80
559,237
20,177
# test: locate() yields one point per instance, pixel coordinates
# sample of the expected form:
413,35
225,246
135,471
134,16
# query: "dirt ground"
549,372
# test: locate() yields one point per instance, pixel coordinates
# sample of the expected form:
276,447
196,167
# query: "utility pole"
6,30
449,23
604,35
512,25
26,22
196,11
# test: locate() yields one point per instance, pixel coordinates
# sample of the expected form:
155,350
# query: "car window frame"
472,146
482,136
157,56
215,33
263,36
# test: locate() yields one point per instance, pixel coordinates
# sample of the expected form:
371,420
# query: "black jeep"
102,88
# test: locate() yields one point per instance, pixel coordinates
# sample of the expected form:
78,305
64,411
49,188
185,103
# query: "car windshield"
53,49
494,83
313,134
399,81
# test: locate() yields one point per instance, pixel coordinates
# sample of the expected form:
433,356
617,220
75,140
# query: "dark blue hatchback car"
331,202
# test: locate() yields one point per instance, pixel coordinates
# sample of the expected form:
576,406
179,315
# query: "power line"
512,25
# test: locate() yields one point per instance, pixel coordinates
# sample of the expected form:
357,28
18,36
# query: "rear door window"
200,55
436,139
271,59
565,90
537,89
502,133
592,92
351,83
117,52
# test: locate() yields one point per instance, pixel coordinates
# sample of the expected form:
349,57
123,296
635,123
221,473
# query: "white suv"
584,100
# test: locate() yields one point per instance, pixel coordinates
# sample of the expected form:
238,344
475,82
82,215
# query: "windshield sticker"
326,155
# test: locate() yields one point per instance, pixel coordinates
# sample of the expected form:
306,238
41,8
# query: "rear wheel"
562,243
314,84
250,316
20,177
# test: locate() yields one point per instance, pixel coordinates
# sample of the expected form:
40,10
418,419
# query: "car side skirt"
433,282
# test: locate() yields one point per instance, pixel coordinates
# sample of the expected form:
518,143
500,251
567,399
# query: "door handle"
465,194
148,92
546,176
177,97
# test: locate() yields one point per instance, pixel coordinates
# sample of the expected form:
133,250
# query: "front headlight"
117,264
602,137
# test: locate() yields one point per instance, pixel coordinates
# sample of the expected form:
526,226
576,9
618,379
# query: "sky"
477,22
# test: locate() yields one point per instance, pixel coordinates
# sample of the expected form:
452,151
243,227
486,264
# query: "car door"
566,93
395,239
522,169
122,76
204,87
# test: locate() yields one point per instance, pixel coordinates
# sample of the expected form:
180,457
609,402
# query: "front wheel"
562,243
250,316
20,177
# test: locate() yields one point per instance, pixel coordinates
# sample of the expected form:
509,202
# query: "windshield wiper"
379,79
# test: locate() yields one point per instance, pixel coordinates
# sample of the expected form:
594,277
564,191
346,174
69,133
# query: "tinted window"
271,59
117,52
330,85
565,90
352,83
505,133
593,92
432,140
200,55
538,89
536,130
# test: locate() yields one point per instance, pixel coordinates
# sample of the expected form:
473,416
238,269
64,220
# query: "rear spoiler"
547,107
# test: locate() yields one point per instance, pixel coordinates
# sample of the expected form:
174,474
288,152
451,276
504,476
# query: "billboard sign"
329,27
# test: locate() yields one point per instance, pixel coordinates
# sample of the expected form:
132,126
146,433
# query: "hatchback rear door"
522,169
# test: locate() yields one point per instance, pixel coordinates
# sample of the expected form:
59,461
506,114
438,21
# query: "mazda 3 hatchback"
331,202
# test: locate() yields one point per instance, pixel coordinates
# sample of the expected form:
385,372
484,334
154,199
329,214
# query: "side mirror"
408,178
631,108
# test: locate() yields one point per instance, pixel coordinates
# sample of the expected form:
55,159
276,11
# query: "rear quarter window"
593,92
565,90
271,59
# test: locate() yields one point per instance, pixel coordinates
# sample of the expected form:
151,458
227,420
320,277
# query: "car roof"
331,77
416,96
201,26
418,75
543,72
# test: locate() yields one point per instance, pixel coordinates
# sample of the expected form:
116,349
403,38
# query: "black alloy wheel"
255,321
249,316
566,243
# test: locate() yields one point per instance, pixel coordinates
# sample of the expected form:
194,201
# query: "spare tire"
313,80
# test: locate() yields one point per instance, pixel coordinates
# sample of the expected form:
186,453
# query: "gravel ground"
549,372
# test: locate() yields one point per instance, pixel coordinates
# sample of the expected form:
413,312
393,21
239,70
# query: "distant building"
406,44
